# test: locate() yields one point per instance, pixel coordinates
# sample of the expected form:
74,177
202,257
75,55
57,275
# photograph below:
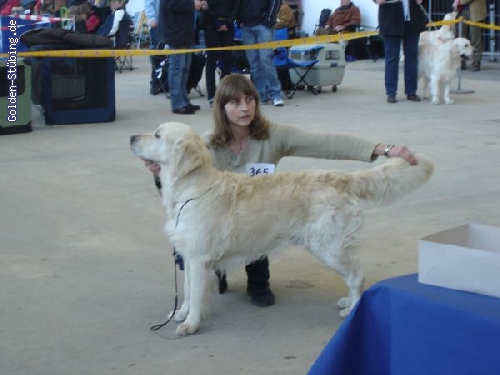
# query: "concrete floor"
84,265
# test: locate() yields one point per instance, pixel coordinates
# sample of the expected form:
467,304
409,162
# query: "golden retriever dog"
217,220
438,64
441,35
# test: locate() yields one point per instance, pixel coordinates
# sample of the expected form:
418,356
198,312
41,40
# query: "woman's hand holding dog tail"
395,152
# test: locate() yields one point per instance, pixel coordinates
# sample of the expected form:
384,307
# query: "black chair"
124,39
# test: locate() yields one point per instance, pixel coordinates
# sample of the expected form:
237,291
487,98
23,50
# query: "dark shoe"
222,282
413,97
155,90
391,99
195,107
261,296
463,65
475,68
184,111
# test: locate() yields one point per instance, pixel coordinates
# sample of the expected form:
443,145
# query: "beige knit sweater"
291,141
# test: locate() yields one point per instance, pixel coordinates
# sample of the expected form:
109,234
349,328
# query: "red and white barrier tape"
40,18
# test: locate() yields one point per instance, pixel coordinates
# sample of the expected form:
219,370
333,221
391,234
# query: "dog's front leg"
181,314
197,279
447,99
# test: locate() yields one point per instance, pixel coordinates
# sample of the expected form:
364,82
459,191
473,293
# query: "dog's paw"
344,302
344,313
186,329
449,101
177,315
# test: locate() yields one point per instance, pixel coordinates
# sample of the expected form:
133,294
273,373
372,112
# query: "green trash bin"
15,95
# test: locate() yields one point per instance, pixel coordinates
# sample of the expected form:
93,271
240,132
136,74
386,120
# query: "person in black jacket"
176,30
218,22
257,19
401,22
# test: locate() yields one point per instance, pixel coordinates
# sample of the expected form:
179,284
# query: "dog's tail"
391,180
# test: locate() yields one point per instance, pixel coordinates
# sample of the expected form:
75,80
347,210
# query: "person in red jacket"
92,22
345,18
7,7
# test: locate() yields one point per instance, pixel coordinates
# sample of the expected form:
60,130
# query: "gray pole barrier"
459,72
492,33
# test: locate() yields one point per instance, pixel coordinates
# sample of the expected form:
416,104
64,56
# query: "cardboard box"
464,258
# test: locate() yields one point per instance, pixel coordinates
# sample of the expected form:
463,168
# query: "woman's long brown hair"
231,87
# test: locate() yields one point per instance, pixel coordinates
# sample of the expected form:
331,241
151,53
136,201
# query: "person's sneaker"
261,296
413,98
222,282
391,99
194,106
278,102
155,90
211,102
187,110
475,68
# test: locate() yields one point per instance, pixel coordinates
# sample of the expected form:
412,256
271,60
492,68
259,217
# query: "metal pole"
492,33
459,72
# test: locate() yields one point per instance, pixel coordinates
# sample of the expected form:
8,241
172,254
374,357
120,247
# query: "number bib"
254,169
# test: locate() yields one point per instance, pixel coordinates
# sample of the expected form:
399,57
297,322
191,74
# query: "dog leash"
178,261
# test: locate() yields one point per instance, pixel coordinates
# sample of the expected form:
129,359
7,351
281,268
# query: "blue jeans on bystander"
261,63
178,74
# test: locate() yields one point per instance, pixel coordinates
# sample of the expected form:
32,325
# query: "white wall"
134,6
312,10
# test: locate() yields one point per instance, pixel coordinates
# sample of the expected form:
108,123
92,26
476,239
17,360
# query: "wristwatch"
387,149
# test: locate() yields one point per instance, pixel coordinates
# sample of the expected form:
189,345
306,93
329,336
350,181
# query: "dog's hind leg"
424,83
434,87
354,278
346,265
197,278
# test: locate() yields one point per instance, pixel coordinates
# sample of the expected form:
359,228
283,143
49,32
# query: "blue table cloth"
402,327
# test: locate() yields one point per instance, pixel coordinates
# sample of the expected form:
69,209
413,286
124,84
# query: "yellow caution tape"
461,19
482,25
444,22
136,52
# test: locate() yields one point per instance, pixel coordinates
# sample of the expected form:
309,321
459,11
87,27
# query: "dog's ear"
188,156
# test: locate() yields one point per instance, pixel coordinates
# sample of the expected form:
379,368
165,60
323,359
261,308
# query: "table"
402,327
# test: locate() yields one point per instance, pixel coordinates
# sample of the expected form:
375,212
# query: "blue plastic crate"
9,34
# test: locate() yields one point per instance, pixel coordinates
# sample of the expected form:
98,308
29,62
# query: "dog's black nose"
132,138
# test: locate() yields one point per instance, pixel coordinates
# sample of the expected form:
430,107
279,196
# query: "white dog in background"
438,65
442,35
217,220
